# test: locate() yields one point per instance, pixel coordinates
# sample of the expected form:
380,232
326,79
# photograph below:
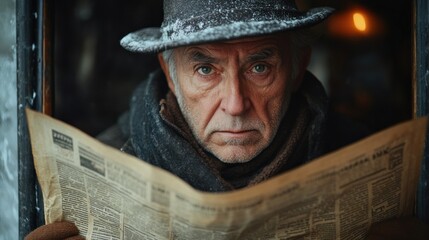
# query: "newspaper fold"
111,195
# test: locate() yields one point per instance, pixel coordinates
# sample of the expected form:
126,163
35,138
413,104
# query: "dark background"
366,74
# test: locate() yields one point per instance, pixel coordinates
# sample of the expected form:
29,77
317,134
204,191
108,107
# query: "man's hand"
55,231
400,228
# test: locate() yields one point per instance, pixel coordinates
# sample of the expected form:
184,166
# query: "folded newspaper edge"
106,192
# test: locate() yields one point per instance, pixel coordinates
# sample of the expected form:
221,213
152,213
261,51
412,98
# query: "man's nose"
235,101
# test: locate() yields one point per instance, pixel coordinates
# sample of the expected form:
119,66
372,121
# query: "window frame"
35,86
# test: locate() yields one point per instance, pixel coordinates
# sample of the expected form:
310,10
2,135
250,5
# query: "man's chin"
235,154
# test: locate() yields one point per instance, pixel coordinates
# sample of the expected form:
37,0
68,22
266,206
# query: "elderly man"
232,104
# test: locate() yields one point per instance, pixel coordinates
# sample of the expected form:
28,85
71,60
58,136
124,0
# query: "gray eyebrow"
263,54
198,56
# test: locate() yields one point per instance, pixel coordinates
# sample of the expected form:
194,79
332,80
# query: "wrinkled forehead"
276,42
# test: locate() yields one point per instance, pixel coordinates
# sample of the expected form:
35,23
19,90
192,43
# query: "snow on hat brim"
153,40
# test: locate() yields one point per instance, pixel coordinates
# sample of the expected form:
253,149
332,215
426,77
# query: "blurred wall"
94,75
8,123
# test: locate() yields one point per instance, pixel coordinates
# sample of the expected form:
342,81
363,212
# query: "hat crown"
183,9
186,16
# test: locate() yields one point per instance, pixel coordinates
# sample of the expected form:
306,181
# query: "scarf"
159,134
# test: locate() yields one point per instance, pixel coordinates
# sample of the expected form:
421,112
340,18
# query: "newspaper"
111,195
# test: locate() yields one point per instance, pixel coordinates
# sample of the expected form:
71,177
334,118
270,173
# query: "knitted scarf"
159,134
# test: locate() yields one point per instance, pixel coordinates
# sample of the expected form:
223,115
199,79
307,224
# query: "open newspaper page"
111,195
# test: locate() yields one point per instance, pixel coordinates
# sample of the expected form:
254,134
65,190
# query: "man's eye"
259,68
205,70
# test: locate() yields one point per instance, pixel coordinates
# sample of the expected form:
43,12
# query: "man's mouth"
236,133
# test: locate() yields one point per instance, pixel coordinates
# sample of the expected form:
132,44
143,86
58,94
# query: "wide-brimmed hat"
189,22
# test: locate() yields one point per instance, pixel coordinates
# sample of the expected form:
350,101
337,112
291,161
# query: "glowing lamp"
355,22
359,21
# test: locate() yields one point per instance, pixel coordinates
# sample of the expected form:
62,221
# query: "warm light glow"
359,21
356,22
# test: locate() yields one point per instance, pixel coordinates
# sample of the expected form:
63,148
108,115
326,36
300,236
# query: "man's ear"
166,70
302,68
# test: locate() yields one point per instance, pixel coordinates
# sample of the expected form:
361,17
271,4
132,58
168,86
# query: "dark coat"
145,133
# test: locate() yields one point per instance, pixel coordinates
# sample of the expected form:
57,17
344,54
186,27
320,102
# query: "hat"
189,22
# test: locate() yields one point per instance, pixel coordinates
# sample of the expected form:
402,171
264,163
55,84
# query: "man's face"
234,94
